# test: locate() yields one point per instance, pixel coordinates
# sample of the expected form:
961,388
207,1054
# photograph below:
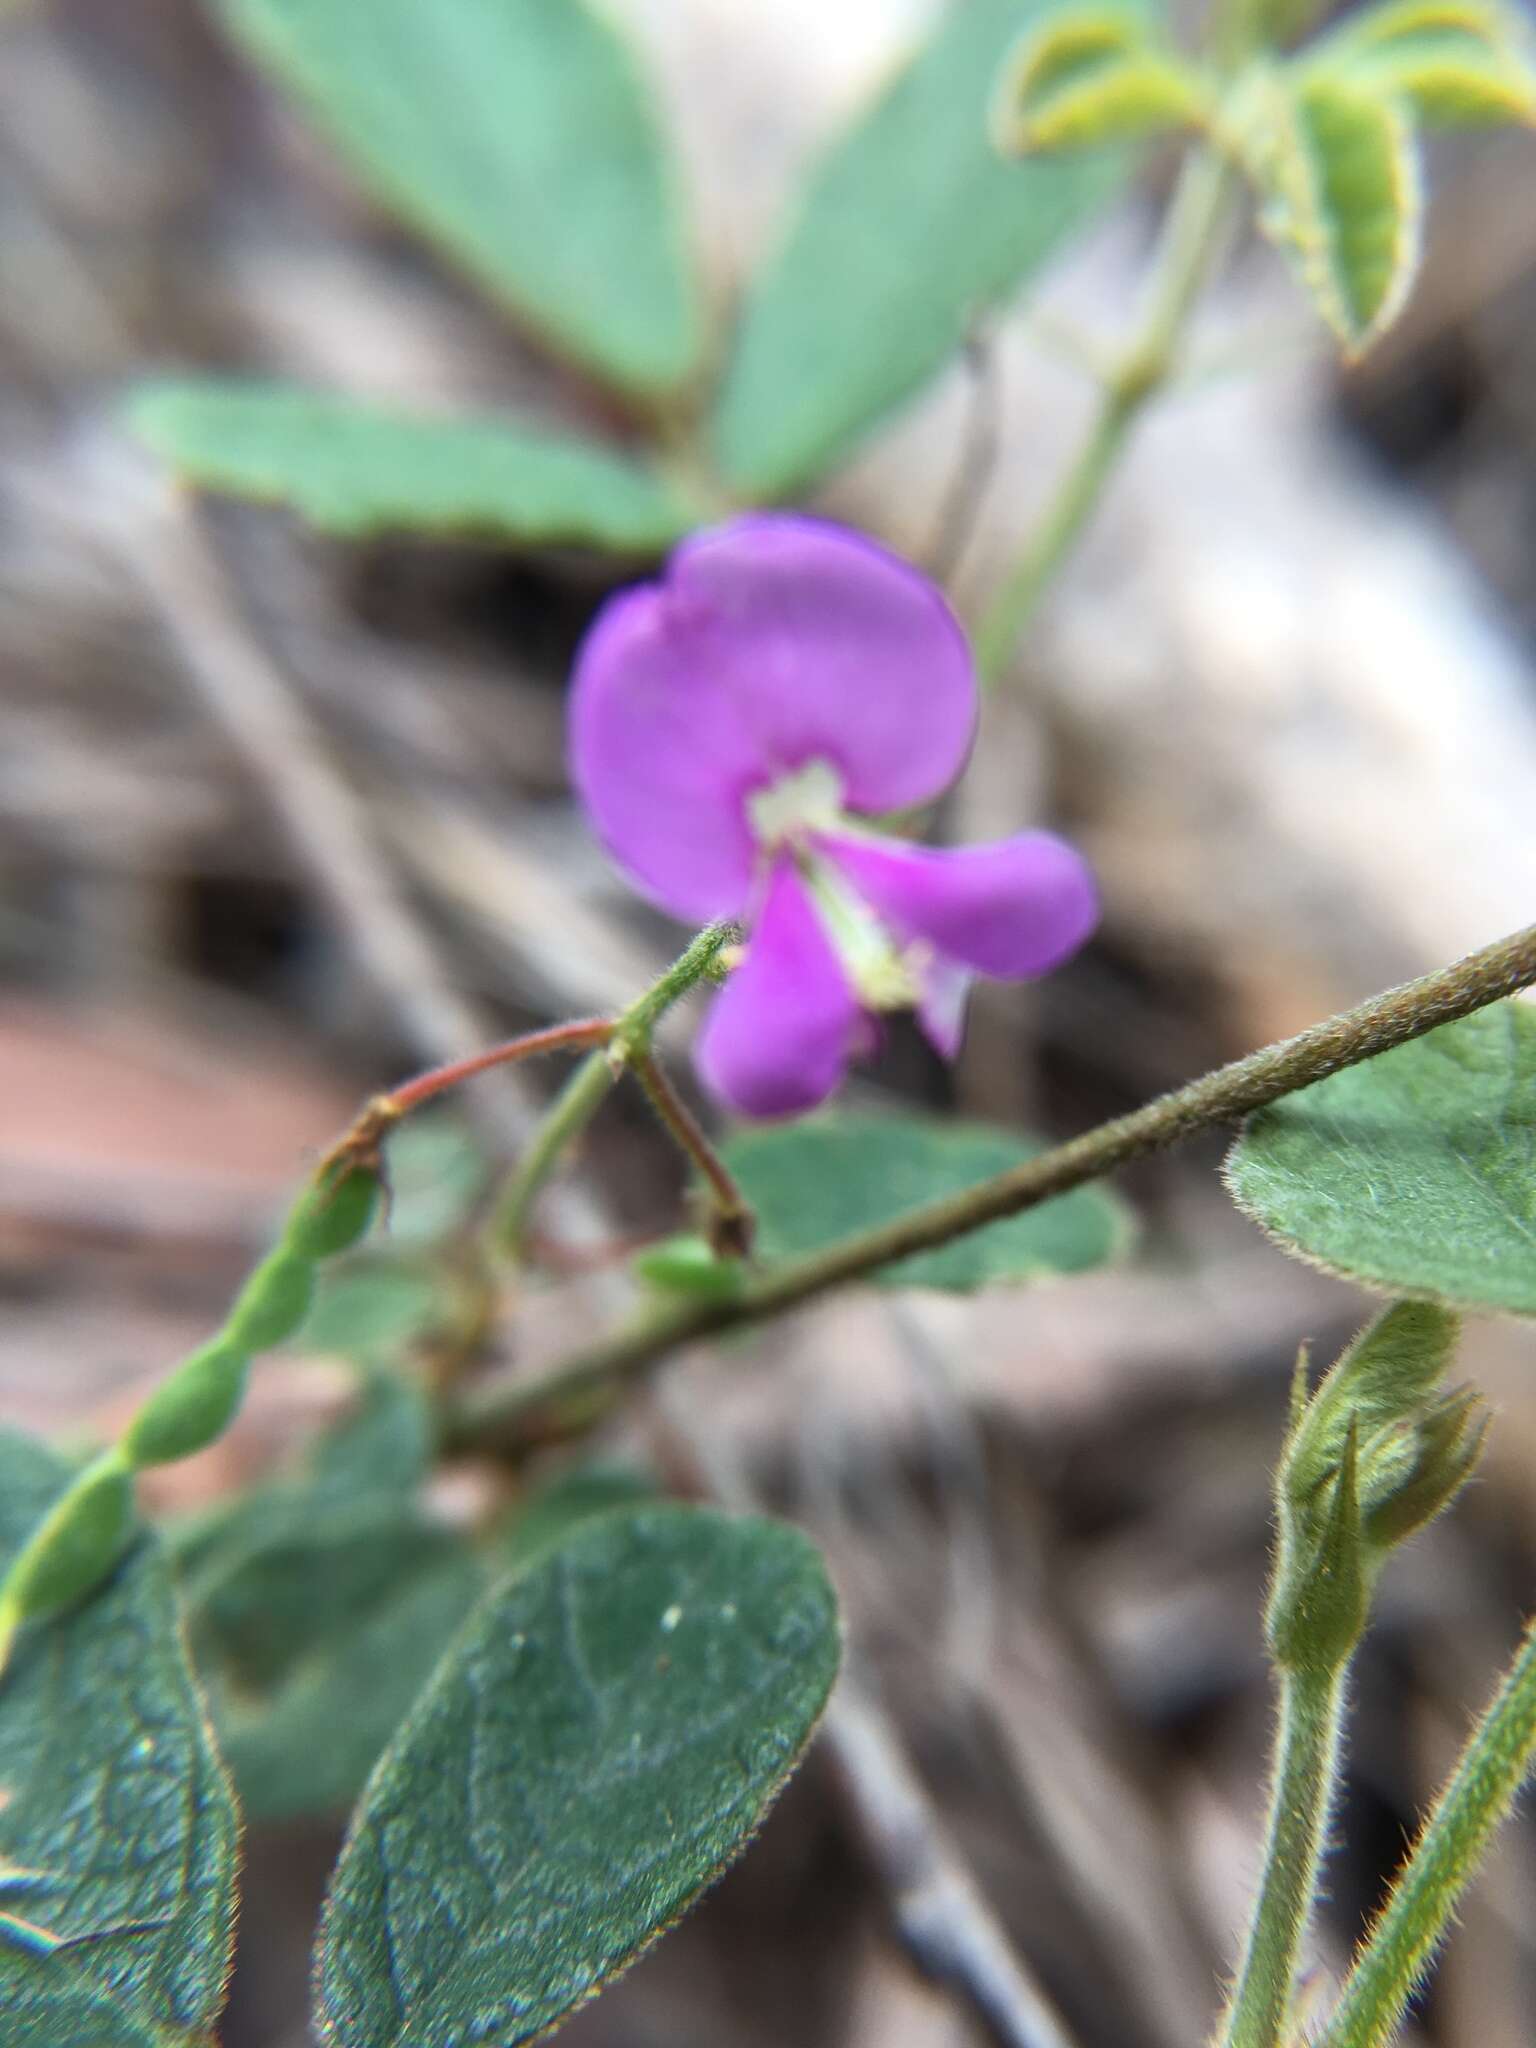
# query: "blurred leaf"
307,1744
1459,63
1091,76
599,1743
518,136
371,1308
1342,178
1415,1172
112,1795
356,468
910,226
438,1171
552,1511
813,1182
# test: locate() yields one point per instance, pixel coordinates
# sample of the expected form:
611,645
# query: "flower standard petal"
831,649
779,1035
1010,910
661,758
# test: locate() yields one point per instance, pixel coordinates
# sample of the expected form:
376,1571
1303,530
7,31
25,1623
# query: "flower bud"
191,1409
1375,1453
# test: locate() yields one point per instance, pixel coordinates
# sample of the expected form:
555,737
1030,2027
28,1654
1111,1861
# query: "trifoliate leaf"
1414,1172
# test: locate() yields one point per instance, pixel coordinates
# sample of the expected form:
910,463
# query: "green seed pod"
331,1218
273,1302
191,1409
77,1543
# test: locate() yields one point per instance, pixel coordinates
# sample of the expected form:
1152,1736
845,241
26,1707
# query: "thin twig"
494,1415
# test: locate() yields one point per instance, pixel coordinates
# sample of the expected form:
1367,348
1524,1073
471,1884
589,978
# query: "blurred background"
282,819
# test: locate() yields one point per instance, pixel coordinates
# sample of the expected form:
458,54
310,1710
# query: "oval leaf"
1415,1172
813,1182
1459,63
1087,78
356,469
117,1828
1120,100
598,1744
1343,179
910,225
517,136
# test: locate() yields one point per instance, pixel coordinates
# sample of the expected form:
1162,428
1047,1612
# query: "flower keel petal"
779,1035
1010,910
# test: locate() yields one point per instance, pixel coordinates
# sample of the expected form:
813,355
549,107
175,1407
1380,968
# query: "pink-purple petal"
660,758
1011,910
945,990
779,1035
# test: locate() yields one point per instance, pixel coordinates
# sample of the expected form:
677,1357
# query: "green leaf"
438,1172
517,136
307,1744
601,1741
550,1513
1089,77
117,1829
815,1181
355,468
1341,171
1459,63
910,226
1415,1172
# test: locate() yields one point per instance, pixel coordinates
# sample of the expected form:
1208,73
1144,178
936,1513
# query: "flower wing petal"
1011,910
831,649
779,1035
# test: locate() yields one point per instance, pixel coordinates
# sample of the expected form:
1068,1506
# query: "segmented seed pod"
76,1544
331,1218
273,1302
191,1409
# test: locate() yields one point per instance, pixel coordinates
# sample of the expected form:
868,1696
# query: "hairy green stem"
1397,1950
495,1414
558,1129
1190,238
1301,1800
583,1095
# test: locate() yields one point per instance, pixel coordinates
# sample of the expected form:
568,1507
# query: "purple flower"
734,725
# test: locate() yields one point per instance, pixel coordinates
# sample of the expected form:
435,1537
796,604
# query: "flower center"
786,816
881,972
809,800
